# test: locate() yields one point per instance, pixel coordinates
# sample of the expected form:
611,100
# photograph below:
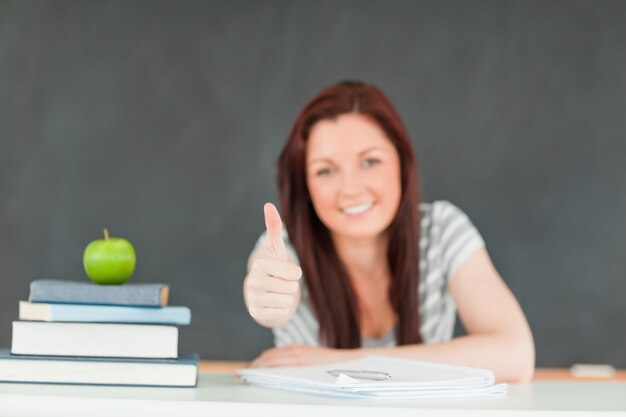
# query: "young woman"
366,268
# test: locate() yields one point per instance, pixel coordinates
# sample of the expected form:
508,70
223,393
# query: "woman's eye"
370,162
324,171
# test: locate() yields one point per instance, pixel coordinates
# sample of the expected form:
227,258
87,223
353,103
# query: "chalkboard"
162,121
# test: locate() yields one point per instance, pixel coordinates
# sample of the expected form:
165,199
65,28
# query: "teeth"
358,209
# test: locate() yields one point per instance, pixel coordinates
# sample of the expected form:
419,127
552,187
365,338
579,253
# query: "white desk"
221,394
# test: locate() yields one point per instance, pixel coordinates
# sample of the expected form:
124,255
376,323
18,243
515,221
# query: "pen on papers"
372,375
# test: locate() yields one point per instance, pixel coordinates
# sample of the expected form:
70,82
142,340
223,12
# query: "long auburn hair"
330,288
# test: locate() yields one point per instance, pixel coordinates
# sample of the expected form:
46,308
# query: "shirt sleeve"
458,237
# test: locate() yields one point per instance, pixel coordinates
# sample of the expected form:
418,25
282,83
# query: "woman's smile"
358,209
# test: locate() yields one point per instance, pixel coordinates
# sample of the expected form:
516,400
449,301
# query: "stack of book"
82,333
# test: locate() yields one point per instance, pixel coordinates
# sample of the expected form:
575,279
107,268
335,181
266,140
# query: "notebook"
379,377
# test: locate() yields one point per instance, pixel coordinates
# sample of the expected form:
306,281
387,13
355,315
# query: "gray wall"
162,121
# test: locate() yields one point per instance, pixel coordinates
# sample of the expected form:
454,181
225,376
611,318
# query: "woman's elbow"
523,373
522,360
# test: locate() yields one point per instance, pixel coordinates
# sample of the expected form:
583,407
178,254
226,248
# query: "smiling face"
353,176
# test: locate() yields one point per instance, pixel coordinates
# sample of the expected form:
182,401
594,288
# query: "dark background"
162,121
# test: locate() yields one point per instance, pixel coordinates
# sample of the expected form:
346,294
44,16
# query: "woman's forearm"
510,358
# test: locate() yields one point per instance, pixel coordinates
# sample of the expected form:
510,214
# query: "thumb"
274,226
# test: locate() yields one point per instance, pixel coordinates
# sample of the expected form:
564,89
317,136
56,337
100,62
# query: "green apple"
109,261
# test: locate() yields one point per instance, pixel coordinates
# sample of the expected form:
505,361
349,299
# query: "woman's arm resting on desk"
499,337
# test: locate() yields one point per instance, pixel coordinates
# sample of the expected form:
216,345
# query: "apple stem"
106,234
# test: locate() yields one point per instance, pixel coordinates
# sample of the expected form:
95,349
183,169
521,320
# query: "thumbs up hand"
271,289
274,226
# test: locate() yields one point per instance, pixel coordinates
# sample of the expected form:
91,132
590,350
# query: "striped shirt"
447,239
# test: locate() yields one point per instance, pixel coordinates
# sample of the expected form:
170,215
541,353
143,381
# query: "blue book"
76,292
181,372
177,316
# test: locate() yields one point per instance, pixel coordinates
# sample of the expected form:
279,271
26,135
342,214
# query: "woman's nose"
352,182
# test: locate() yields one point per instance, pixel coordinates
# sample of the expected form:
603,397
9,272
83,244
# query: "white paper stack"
395,379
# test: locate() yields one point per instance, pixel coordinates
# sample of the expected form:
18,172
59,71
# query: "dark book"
58,291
